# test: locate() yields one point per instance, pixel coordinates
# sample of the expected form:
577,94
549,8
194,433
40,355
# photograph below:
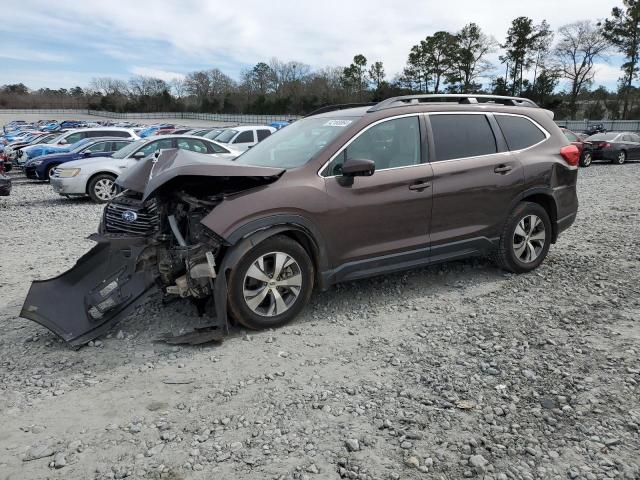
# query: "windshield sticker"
337,123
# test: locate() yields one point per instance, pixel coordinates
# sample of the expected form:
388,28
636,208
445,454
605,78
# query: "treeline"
533,61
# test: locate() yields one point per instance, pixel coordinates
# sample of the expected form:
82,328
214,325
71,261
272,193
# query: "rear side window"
215,148
519,132
262,134
461,136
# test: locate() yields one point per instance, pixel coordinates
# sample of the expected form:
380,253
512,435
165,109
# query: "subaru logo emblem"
129,216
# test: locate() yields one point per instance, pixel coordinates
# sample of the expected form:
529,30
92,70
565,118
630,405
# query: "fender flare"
547,192
246,237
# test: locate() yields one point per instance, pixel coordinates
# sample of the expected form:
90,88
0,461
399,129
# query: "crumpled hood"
151,173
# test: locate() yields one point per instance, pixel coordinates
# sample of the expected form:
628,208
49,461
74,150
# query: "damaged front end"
150,237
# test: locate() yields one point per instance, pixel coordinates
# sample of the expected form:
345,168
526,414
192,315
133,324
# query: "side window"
245,137
519,132
262,134
461,136
570,136
391,144
157,145
115,133
74,137
118,145
99,147
635,138
215,148
193,145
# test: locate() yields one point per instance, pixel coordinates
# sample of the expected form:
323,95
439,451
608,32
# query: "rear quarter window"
519,132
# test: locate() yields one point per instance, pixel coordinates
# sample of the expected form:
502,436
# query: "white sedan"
96,176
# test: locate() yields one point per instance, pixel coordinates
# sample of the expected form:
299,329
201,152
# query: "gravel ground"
447,372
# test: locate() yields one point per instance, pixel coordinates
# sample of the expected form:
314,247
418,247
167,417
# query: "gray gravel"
448,372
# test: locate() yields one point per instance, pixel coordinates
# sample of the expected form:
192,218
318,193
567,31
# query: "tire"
97,188
50,171
586,159
261,261
510,255
621,158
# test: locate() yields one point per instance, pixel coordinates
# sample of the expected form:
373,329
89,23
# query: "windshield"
602,136
225,136
213,133
74,147
46,138
128,150
297,144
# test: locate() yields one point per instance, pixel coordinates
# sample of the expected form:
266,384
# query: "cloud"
30,55
157,73
193,34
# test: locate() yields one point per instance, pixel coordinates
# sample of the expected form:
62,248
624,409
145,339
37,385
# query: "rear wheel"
525,239
621,158
271,284
102,188
586,159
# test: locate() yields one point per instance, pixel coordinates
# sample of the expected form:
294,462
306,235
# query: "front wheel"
586,159
525,239
621,158
50,172
271,284
102,188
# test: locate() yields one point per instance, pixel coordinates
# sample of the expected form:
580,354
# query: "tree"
439,52
355,75
376,74
542,47
524,42
623,31
578,48
469,58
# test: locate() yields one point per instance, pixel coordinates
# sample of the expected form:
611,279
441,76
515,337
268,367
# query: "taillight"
571,155
605,145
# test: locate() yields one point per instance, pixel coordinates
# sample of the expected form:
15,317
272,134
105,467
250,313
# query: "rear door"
475,179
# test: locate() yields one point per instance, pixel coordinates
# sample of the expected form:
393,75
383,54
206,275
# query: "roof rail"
452,97
340,106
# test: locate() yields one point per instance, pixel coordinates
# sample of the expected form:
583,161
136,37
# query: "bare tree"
580,45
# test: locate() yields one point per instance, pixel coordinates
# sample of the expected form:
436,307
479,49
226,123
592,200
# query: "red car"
585,148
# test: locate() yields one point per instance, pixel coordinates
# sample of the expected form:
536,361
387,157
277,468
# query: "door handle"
419,186
503,168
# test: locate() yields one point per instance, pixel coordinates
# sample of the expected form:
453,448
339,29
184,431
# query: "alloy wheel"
529,239
586,160
272,284
105,189
621,158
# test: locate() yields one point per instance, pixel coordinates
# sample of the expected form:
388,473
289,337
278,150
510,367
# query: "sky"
67,43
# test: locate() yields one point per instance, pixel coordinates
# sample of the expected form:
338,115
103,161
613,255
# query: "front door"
382,220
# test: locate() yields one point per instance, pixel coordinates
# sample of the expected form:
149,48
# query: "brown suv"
342,194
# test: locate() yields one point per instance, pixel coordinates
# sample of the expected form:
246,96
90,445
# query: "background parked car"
96,176
615,147
595,128
5,181
42,167
584,147
244,137
73,136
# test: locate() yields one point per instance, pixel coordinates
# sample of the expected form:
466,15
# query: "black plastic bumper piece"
101,289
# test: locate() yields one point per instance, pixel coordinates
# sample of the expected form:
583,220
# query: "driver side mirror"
62,142
138,155
356,167
87,153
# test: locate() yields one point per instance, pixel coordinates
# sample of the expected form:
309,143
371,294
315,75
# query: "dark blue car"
41,167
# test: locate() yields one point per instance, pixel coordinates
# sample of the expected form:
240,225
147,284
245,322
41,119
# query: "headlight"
67,172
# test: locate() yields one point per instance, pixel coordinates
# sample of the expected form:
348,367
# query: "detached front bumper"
102,288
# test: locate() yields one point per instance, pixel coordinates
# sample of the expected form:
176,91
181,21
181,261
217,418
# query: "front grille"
146,223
